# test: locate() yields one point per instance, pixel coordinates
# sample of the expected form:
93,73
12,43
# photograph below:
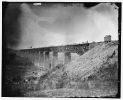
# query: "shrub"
60,84
72,85
82,85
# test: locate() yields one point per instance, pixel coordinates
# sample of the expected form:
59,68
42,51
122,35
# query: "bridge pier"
34,54
32,57
47,61
67,57
41,58
55,59
28,56
36,58
25,55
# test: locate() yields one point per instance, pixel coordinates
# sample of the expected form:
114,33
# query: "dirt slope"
92,60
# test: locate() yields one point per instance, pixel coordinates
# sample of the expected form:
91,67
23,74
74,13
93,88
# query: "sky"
27,24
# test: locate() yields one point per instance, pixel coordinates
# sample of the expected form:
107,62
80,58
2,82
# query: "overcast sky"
54,24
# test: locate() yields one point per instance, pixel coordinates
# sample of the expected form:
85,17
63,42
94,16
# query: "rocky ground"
94,74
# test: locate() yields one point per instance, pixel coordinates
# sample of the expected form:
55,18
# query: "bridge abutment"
67,57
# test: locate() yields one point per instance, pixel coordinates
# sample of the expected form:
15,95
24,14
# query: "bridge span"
41,55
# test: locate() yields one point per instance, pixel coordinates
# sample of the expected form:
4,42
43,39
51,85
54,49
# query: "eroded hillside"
93,74
91,61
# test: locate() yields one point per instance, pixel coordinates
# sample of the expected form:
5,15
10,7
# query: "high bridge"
41,55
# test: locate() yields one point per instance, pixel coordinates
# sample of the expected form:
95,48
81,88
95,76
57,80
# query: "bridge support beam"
67,57
47,61
55,59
